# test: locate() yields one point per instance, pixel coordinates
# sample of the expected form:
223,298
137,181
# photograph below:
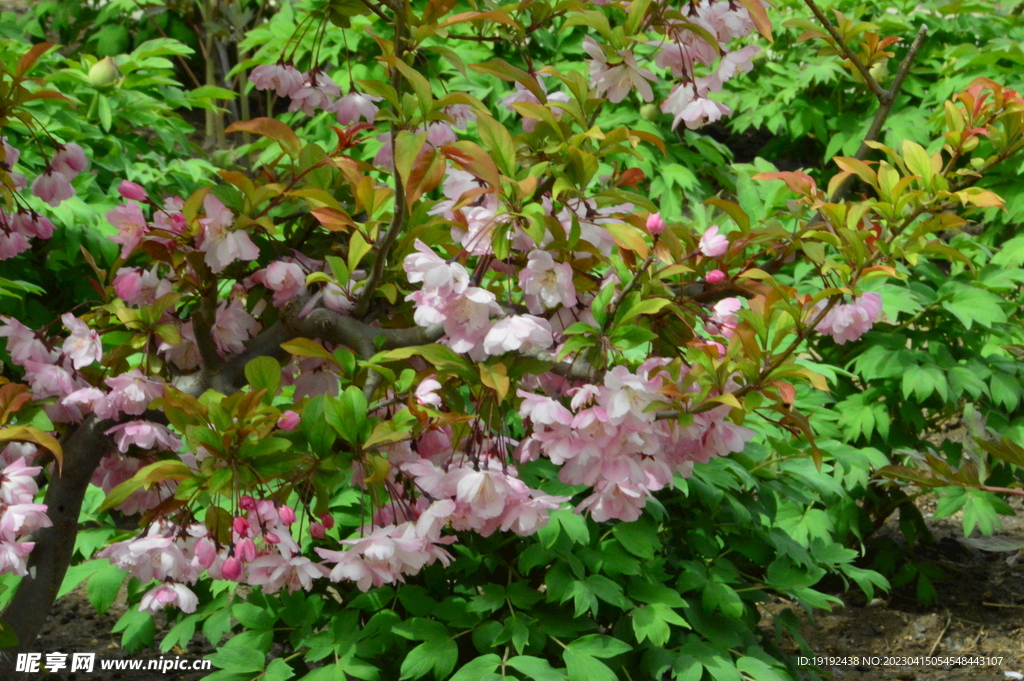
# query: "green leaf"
475,670
264,373
437,654
536,668
77,574
598,645
103,587
971,304
583,667
278,670
252,616
240,660
639,538
498,141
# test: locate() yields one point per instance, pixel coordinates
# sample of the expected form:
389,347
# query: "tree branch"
869,80
50,558
203,321
884,109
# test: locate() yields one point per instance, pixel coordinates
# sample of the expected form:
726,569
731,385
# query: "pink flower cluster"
679,52
447,298
53,186
609,438
314,90
19,515
262,553
849,321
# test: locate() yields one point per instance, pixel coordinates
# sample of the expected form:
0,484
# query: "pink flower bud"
241,526
288,421
245,550
715,277
272,538
131,191
655,225
128,284
231,569
317,530
70,160
328,520
247,503
286,514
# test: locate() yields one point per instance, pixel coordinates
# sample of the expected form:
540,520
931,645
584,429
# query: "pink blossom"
628,393
69,160
546,283
526,516
427,267
145,435
12,244
52,187
31,224
157,599
317,530
17,483
466,318
131,393
13,555
284,79
48,380
713,244
288,421
22,519
517,332
131,227
426,392
849,321
543,411
355,105
686,105
22,344
274,571
222,245
17,451
287,515
723,319
233,327
132,191
11,154
616,81
318,91
285,279
83,346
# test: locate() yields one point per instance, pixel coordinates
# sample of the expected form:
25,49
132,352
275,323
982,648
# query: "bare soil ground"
76,627
979,613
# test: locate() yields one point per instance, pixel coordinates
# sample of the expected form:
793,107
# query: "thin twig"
949,618
854,59
884,109
386,240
